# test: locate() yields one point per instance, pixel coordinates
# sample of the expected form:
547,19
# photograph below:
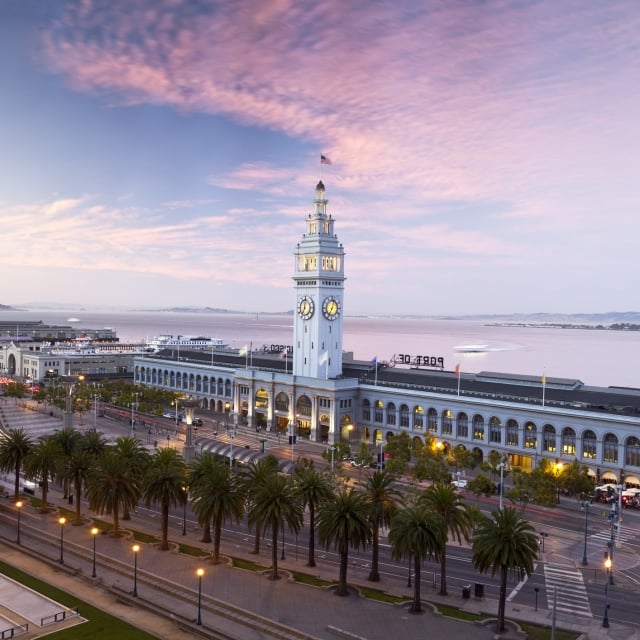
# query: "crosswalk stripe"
570,593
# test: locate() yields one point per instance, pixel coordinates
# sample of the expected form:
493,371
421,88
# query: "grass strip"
99,625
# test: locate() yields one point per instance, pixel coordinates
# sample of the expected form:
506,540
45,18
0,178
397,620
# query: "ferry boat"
471,348
166,341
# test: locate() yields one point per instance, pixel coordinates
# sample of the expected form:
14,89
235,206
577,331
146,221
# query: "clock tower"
319,286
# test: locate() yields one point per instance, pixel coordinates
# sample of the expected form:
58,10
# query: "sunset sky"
485,154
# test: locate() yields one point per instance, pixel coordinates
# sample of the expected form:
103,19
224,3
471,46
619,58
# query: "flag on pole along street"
325,160
244,350
374,360
458,369
284,353
543,379
324,358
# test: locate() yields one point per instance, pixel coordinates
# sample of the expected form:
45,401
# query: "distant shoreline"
617,326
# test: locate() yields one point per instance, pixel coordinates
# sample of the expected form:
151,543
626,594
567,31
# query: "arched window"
418,417
610,448
391,414
589,445
495,430
282,402
447,422
478,427
404,415
568,441
632,452
549,438
378,412
530,436
512,433
366,410
462,427
432,420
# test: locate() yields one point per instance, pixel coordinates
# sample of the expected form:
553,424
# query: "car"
459,484
354,463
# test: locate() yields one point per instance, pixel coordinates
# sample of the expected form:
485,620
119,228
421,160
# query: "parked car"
459,484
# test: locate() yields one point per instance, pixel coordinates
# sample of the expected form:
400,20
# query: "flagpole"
458,382
544,385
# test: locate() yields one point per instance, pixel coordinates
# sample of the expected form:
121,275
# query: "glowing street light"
19,505
607,565
199,573
94,533
135,549
61,522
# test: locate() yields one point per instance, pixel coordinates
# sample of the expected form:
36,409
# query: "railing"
59,616
11,632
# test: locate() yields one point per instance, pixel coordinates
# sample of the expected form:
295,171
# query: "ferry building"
315,391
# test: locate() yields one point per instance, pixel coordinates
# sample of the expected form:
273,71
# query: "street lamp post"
135,549
585,506
231,438
199,573
501,465
19,505
558,468
409,576
612,516
94,533
184,512
605,619
61,521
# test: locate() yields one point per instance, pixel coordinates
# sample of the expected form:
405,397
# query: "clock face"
331,308
305,307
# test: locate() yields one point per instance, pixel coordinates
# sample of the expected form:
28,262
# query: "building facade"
328,397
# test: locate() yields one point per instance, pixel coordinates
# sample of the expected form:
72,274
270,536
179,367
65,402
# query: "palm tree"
79,465
383,500
68,440
43,463
446,501
198,471
134,452
217,497
416,533
275,505
505,543
313,488
94,443
14,448
113,484
253,479
343,521
164,484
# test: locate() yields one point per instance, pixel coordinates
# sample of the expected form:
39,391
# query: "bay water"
597,357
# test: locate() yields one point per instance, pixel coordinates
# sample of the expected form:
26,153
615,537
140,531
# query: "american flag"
325,160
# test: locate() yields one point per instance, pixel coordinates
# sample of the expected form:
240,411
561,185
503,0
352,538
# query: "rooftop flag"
325,160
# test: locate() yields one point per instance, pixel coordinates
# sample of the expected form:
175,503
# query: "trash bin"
466,592
479,591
